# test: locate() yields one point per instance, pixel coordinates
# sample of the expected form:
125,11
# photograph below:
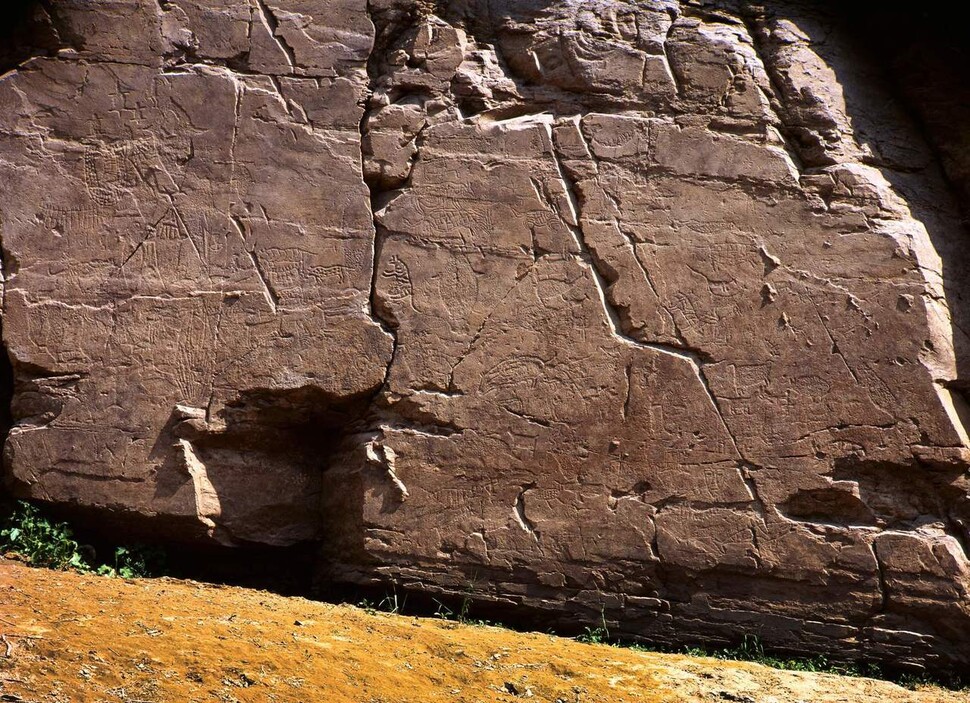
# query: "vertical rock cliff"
651,311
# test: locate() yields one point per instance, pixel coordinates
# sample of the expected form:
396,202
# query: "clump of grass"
751,649
463,615
390,603
44,542
594,635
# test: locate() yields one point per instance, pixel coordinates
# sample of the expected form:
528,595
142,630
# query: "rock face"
642,311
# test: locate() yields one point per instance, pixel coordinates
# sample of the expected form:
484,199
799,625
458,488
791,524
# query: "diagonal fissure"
612,315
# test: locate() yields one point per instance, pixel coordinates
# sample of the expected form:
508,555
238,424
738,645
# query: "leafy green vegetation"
134,562
596,635
41,541
45,543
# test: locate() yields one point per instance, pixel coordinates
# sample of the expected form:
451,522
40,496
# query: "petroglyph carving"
399,277
74,220
111,170
515,371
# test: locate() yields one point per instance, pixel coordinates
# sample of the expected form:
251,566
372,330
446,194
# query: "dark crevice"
375,195
289,448
27,29
827,506
934,496
804,154
881,578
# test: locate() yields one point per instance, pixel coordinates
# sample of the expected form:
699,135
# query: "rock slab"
644,312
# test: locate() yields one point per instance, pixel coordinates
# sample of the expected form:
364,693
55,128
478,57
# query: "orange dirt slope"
79,638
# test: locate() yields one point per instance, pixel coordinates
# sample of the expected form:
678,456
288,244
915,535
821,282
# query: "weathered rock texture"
639,310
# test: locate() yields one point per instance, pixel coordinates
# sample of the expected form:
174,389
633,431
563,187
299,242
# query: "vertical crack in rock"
756,499
665,45
375,193
798,156
574,224
628,396
758,505
882,588
238,90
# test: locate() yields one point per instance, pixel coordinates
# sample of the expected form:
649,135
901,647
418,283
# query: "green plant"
391,604
44,542
593,635
466,606
41,541
443,611
596,635
750,648
134,562
461,617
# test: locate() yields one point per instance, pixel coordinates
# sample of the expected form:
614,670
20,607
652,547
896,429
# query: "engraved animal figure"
335,273
453,218
108,170
76,220
511,372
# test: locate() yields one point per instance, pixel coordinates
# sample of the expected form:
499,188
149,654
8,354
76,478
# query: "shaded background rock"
647,312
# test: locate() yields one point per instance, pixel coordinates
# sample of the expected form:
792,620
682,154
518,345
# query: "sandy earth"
70,637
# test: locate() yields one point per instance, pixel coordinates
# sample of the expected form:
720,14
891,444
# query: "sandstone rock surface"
645,311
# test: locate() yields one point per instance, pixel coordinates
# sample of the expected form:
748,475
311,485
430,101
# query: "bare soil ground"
79,638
